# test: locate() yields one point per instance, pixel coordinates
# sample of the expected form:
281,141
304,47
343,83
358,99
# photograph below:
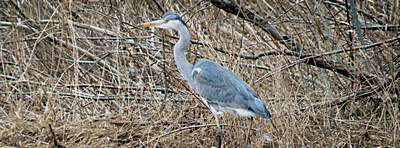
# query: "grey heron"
220,89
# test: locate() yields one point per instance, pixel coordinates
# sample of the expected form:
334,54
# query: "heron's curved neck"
184,67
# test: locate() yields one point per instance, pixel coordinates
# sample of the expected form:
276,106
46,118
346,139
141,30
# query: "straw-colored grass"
76,74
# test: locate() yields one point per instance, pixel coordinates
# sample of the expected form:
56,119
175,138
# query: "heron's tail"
260,108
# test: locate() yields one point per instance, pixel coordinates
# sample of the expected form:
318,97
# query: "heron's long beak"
152,24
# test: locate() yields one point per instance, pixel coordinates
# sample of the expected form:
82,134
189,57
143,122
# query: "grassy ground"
75,74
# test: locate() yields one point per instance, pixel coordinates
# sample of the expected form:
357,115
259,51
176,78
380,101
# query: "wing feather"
218,85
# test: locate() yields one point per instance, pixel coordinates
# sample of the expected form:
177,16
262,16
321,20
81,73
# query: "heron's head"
168,21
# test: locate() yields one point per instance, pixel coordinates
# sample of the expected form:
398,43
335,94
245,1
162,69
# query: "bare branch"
305,59
198,126
94,97
252,17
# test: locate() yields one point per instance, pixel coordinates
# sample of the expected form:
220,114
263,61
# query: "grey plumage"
220,89
225,91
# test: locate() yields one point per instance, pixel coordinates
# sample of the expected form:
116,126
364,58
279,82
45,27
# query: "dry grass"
66,83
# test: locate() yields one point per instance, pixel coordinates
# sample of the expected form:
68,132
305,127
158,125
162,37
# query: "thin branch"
8,77
116,87
91,27
288,73
250,16
381,27
159,6
198,126
85,38
94,97
329,53
357,95
343,6
248,56
54,143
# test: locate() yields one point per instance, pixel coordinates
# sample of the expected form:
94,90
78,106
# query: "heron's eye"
166,21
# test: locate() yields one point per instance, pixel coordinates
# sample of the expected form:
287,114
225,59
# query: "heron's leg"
219,125
219,133
248,133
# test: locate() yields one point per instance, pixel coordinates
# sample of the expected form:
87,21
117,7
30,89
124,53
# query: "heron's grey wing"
218,85
225,91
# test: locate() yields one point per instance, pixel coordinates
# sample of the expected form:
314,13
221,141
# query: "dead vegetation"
76,74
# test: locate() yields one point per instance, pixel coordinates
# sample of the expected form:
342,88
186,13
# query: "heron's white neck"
184,67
